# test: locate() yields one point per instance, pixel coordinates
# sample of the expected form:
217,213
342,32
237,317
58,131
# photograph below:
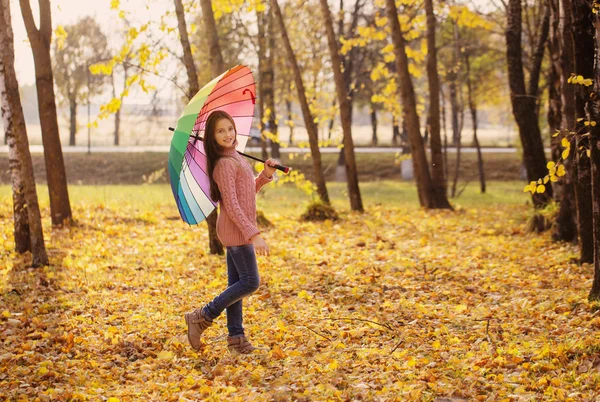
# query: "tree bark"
565,225
262,45
216,58
524,104
60,206
473,109
270,85
217,67
288,105
16,131
594,115
439,184
374,139
409,107
20,218
73,121
188,59
444,128
583,38
345,111
311,128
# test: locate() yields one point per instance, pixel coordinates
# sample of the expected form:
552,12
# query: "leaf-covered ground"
393,304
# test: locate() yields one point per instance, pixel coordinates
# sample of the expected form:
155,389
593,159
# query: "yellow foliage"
60,35
344,307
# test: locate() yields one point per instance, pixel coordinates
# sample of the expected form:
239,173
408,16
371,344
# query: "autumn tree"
265,72
311,128
561,114
28,232
427,196
524,100
583,40
39,38
593,108
345,111
85,44
217,67
437,157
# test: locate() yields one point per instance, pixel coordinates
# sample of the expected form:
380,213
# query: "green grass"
285,199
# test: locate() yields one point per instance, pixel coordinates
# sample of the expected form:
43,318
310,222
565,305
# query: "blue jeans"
243,280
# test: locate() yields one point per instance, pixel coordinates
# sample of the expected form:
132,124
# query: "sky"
65,12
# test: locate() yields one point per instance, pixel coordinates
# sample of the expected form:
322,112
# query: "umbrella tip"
171,129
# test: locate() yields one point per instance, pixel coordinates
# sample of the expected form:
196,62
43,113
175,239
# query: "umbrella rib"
181,201
194,197
227,93
229,82
197,164
207,196
204,113
187,153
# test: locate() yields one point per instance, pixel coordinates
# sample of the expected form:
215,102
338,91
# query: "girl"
233,184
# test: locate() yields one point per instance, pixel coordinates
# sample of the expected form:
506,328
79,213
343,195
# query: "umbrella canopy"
233,92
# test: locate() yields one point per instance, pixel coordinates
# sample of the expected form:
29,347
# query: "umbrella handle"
284,169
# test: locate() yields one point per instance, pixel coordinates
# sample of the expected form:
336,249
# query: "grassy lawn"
286,199
124,168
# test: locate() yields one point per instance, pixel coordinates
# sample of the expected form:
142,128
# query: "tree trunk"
409,107
594,115
565,225
14,124
20,218
524,105
454,108
374,139
262,49
117,126
217,66
440,199
473,109
395,131
216,58
444,127
567,62
311,128
457,164
118,112
454,85
73,121
345,111
188,59
288,105
583,37
270,85
332,121
60,206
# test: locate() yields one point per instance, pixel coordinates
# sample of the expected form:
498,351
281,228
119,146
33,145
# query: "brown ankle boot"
197,322
239,344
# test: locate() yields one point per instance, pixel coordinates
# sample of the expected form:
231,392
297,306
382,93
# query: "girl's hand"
270,166
260,247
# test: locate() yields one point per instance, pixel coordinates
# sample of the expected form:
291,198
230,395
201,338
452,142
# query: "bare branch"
127,64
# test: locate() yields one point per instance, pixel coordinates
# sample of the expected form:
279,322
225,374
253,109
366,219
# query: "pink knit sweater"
238,186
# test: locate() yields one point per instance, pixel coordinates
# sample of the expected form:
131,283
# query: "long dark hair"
214,150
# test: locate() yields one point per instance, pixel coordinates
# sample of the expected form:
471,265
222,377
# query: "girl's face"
224,133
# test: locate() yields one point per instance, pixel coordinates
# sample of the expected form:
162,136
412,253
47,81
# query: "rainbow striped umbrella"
233,92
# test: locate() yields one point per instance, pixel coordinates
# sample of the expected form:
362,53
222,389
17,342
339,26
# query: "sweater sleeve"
224,175
261,180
